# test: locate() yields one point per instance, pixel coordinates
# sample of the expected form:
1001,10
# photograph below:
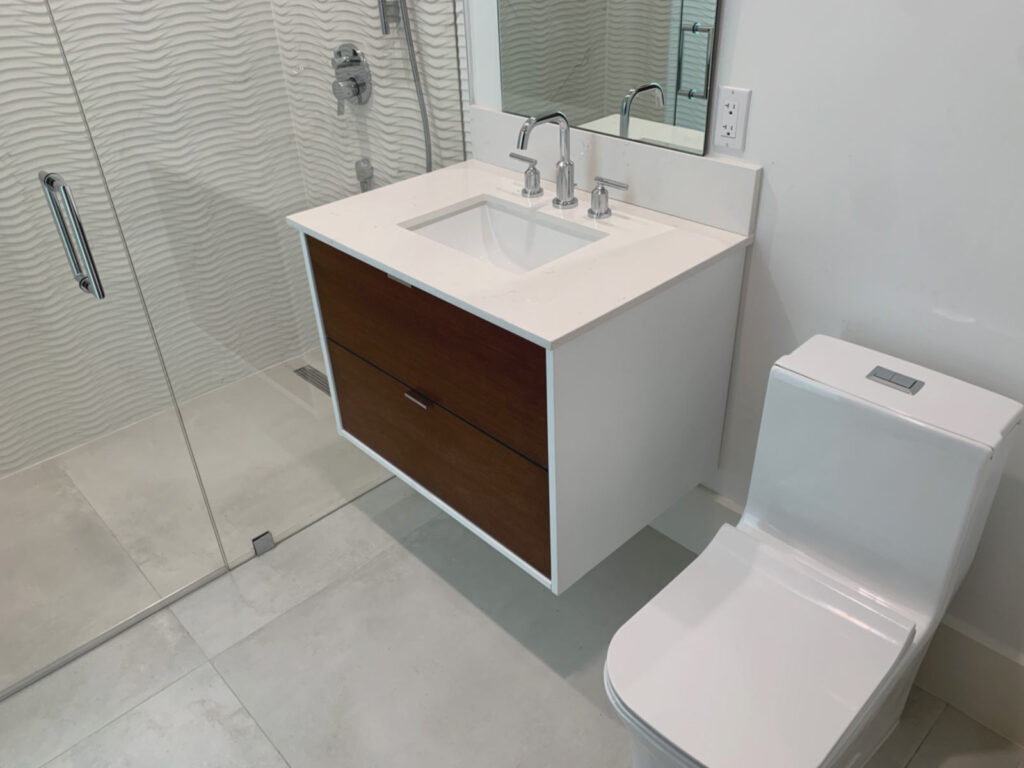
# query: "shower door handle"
706,29
83,269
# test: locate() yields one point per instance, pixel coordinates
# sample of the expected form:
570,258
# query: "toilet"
793,639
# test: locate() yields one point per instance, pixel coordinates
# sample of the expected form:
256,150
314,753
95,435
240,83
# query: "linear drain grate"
314,376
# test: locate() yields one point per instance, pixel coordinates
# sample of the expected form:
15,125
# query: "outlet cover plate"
731,117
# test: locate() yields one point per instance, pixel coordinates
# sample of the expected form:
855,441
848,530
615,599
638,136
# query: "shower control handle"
353,80
83,267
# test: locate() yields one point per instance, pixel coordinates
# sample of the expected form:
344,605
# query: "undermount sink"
509,236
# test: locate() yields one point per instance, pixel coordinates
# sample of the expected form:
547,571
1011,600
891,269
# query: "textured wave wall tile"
71,368
553,56
387,130
188,107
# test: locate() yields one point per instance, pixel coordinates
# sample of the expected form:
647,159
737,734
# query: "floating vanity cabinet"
460,407
553,399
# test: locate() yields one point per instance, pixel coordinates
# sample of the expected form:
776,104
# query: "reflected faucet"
627,104
565,184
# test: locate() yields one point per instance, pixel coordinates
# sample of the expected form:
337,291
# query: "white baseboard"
978,679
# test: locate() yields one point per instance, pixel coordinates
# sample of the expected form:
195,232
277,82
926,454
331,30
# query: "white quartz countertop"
642,251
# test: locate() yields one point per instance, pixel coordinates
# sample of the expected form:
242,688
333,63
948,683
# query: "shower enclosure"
152,423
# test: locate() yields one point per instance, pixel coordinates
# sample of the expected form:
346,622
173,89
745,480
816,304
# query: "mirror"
634,68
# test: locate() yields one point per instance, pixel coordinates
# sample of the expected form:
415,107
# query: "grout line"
130,709
340,580
110,634
252,717
395,542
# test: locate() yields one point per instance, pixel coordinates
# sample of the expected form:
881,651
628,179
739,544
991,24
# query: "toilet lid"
749,657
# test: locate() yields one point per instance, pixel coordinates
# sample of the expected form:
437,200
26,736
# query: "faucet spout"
627,104
564,182
524,133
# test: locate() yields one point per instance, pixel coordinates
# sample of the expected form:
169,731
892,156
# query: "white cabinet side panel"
638,407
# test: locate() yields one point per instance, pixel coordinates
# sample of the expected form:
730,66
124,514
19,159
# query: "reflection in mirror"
634,68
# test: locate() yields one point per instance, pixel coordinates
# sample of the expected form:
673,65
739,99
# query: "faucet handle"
524,158
599,208
531,177
605,182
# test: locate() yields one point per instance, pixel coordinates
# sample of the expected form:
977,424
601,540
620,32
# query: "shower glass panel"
212,122
101,513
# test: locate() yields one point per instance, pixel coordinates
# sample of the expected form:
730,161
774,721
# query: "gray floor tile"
918,718
197,721
269,460
65,578
43,720
141,482
441,653
569,633
238,603
956,741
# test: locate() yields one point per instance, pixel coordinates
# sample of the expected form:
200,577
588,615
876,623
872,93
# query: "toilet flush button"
896,380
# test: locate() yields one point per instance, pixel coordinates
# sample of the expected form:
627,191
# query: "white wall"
892,138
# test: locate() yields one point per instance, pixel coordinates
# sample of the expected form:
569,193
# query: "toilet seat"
751,657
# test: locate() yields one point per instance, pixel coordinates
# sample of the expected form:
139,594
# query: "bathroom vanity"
552,381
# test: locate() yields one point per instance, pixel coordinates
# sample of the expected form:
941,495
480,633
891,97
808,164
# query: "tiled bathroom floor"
385,635
100,532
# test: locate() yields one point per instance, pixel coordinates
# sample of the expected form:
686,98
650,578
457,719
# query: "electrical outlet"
731,117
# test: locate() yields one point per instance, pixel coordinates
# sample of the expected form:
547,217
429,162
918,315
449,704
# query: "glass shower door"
190,108
101,511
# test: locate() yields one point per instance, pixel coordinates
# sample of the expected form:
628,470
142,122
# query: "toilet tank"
887,480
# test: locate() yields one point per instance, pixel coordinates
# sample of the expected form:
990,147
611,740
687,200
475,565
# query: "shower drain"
314,376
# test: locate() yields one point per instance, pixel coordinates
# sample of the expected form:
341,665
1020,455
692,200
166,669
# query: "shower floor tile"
65,578
141,482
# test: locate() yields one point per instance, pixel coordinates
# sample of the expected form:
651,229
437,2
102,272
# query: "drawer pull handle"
417,398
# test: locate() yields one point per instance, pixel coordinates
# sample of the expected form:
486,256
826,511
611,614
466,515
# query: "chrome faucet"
627,104
565,184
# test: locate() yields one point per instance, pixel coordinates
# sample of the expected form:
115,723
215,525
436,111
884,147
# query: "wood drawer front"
487,375
490,485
